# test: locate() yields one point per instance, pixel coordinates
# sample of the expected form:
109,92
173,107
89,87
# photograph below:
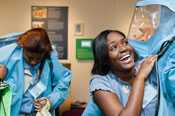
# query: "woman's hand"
3,71
147,66
40,103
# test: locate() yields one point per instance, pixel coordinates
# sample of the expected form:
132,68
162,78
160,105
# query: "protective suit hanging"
160,40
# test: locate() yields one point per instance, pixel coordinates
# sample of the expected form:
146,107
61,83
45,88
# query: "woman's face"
121,54
33,58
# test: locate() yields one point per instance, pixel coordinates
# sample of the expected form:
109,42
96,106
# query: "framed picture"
55,21
79,29
84,48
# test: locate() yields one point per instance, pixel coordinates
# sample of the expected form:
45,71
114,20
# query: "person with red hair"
34,74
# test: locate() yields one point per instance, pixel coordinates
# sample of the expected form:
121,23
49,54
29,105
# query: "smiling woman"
119,83
120,52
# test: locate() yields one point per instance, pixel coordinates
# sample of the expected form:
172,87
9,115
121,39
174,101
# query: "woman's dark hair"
100,51
36,40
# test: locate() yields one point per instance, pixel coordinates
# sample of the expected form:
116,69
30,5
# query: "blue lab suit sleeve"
61,81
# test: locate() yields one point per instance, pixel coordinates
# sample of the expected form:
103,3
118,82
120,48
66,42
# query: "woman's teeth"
125,57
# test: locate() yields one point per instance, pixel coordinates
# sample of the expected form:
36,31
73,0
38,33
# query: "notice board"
55,21
84,49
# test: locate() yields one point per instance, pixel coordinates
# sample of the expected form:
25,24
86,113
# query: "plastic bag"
45,110
5,99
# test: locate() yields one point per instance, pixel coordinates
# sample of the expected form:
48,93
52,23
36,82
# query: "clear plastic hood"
144,22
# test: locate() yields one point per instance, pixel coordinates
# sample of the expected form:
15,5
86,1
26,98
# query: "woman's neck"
126,75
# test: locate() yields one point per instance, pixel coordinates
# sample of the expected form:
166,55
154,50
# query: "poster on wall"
84,48
36,24
55,21
144,22
39,12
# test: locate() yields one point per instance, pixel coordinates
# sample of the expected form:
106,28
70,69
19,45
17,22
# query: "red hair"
35,40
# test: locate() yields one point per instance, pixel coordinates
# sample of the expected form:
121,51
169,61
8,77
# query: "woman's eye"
113,47
125,41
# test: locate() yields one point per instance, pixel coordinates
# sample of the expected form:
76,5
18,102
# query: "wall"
14,16
125,9
96,15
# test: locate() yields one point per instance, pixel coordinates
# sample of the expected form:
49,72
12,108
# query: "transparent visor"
144,22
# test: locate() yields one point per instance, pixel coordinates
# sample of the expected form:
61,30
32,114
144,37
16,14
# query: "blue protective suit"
166,64
56,78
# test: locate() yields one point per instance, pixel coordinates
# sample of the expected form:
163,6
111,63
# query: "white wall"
15,16
125,9
96,15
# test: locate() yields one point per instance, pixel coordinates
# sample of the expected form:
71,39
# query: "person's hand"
3,71
147,66
40,103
